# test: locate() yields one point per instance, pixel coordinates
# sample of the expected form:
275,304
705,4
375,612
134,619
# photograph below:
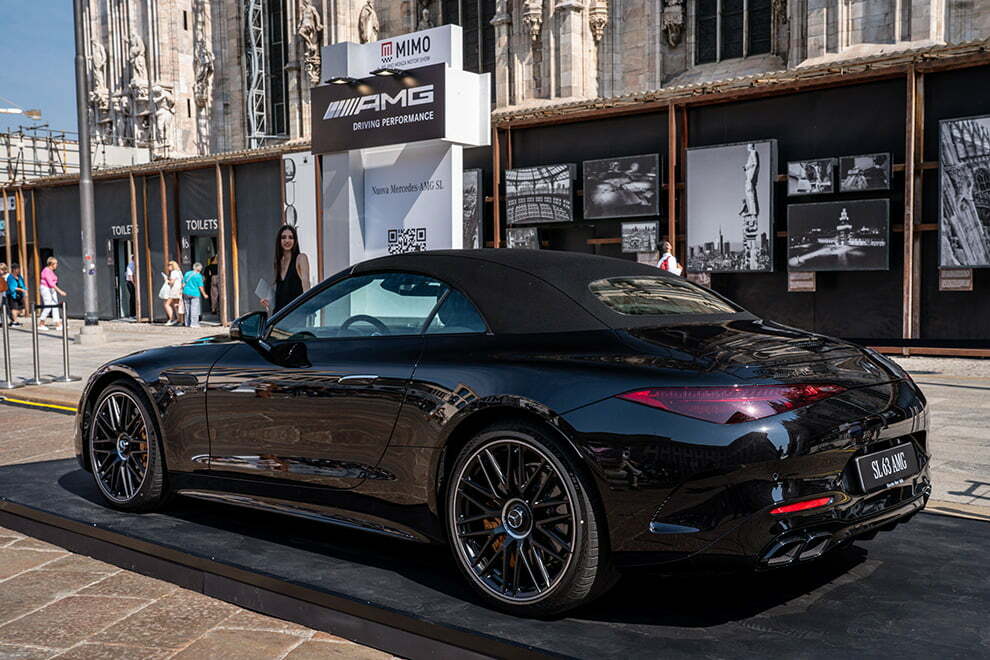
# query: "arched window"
727,29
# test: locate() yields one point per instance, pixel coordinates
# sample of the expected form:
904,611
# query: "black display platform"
921,590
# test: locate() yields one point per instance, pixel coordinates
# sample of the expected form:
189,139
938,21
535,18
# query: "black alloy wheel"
522,524
124,451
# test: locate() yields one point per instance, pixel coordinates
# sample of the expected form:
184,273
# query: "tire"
125,453
522,553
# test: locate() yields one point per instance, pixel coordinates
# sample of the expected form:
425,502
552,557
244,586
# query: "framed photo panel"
624,187
523,237
850,235
730,207
863,173
964,187
640,236
537,195
473,211
811,177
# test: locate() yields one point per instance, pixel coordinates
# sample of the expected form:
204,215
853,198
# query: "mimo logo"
421,95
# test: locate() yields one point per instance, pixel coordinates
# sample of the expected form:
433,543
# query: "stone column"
502,22
570,43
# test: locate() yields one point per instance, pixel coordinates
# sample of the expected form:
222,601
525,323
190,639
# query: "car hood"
757,351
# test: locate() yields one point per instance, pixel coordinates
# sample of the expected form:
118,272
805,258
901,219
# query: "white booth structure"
390,123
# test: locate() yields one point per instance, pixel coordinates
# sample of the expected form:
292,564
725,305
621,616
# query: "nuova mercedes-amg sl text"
552,417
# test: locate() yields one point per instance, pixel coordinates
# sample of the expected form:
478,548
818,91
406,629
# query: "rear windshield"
646,295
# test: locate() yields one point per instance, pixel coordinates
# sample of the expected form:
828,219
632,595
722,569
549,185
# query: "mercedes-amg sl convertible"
551,416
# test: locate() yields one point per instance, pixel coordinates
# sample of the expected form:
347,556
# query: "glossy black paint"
362,431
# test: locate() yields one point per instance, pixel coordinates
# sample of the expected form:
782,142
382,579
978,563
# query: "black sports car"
551,416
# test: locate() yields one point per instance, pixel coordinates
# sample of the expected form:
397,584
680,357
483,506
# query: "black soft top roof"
524,291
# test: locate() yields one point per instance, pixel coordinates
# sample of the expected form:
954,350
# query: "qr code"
401,241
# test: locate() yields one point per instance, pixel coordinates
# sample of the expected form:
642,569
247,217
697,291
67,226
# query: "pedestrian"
668,261
211,273
192,290
291,268
173,277
50,292
16,294
129,276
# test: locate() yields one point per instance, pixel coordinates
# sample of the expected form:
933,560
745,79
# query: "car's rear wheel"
522,523
125,451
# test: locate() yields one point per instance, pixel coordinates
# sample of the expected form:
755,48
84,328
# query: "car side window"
456,315
381,304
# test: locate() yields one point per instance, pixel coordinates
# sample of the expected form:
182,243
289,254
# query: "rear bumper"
707,490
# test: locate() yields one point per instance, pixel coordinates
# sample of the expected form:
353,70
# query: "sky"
36,62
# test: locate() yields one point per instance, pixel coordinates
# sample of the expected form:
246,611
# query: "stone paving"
56,604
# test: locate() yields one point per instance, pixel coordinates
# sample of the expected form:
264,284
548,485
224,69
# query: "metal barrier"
7,383
65,377
37,380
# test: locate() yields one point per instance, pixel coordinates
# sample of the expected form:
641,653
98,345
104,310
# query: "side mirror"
249,327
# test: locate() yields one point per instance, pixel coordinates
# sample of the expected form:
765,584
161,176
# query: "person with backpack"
668,261
192,291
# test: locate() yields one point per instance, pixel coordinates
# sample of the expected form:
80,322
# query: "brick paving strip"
55,604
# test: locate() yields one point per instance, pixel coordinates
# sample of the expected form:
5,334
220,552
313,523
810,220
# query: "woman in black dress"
291,268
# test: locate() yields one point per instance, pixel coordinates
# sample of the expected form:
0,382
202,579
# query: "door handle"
358,379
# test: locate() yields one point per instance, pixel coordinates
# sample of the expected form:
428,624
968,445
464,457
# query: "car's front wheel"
522,523
125,451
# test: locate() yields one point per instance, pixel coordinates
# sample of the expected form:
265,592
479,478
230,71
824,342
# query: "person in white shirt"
668,261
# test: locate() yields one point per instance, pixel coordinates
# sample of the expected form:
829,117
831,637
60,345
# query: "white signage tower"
391,122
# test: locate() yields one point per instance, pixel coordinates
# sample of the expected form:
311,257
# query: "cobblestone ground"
56,604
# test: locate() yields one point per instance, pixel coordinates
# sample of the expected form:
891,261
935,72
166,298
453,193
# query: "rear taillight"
732,405
802,506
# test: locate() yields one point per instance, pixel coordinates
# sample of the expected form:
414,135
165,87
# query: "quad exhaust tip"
801,547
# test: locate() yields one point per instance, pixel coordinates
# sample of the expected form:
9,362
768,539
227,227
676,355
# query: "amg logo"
379,102
410,47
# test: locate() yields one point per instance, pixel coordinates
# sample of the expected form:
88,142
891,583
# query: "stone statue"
164,112
139,67
532,15
673,21
99,95
368,23
309,30
598,19
204,60
424,21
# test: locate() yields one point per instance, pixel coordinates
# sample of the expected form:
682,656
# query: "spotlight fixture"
386,71
343,80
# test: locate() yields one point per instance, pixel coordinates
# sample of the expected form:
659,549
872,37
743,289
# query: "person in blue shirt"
192,291
16,293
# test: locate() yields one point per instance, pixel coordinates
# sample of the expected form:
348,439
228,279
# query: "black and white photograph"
863,173
622,187
730,207
849,235
473,205
811,177
964,223
540,194
523,237
640,236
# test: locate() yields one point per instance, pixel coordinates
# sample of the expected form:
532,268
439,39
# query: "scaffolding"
257,101
36,151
